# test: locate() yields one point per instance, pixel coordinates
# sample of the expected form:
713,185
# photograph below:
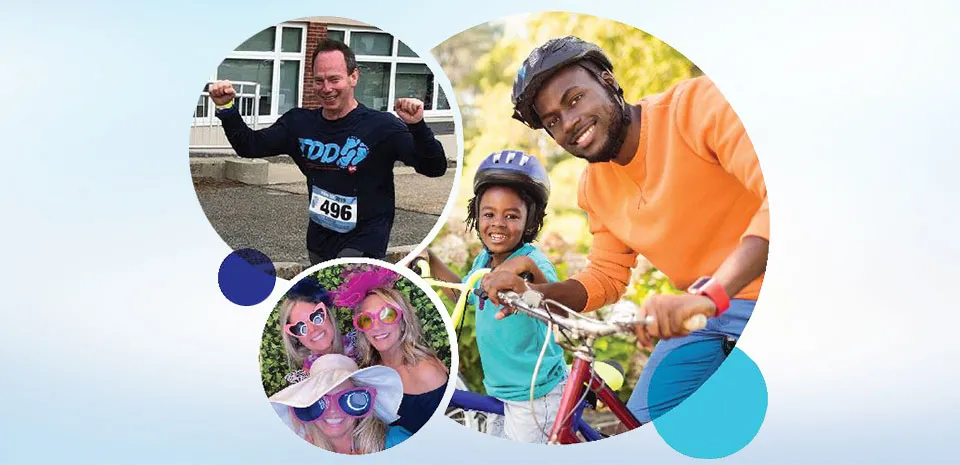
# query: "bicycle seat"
611,372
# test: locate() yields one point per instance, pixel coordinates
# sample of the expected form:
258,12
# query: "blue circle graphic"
721,417
247,277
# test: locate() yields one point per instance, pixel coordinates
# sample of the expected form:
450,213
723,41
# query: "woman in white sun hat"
344,409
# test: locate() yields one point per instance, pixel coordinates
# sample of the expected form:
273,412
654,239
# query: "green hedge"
273,362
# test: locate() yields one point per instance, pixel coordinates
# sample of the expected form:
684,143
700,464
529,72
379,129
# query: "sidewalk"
268,211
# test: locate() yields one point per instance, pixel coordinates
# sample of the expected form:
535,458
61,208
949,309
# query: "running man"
674,178
346,151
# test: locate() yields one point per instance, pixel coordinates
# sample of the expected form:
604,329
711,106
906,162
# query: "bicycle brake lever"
482,295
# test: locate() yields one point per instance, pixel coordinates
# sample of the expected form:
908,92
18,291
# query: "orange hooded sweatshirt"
691,193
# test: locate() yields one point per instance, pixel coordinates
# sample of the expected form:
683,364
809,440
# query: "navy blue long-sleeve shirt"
348,163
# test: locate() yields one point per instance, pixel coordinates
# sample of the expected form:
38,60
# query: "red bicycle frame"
580,375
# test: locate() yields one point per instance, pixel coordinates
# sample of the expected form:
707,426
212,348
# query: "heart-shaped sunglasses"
316,318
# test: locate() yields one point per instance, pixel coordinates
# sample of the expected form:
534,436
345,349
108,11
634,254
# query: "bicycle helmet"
543,62
518,170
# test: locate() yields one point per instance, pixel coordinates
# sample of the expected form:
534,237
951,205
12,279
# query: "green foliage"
434,331
470,366
273,361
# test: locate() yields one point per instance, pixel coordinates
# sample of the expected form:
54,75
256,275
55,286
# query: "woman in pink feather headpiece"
392,336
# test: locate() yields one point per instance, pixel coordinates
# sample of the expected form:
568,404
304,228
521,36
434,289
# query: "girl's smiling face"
502,217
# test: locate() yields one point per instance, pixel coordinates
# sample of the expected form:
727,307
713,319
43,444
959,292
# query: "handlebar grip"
527,276
479,292
417,266
695,322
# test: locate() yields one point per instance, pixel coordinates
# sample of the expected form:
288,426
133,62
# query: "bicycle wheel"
477,421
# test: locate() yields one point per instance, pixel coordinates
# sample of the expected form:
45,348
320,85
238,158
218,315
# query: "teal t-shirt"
509,347
395,435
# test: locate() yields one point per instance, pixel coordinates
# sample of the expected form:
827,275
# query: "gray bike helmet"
546,60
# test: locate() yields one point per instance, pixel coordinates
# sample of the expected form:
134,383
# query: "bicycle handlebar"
622,319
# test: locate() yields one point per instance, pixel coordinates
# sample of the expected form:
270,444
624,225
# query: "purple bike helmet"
521,171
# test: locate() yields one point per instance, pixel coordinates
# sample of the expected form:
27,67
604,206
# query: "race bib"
334,212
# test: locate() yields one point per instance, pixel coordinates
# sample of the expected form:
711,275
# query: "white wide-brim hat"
328,371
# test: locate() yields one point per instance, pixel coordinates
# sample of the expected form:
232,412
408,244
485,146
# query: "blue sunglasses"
356,402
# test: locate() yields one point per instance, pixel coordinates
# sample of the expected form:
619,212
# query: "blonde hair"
412,349
369,435
294,349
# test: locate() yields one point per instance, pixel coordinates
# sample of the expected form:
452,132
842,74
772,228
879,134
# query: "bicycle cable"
546,341
533,381
561,329
536,369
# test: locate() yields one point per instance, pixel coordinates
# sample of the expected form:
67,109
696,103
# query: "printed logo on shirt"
347,157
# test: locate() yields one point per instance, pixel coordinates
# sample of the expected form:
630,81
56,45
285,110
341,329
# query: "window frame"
393,59
277,56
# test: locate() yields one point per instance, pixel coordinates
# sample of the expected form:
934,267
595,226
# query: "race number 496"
333,209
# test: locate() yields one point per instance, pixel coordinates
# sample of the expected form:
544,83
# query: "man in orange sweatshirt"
673,178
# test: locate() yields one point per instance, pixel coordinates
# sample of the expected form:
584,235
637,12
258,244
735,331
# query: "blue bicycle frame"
468,400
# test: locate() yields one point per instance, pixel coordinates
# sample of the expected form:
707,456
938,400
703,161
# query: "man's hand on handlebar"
670,313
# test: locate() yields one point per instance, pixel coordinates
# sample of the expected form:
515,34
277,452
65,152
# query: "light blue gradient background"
117,346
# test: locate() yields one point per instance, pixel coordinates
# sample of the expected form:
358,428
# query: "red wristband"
712,289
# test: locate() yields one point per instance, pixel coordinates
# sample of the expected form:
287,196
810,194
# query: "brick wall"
315,32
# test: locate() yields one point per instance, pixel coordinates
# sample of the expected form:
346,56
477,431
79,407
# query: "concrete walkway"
263,205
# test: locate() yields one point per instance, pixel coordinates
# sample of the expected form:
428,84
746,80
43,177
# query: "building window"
273,58
415,81
374,85
390,70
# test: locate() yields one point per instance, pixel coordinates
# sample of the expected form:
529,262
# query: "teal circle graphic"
721,417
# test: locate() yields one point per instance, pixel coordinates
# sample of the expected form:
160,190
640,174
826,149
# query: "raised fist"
410,110
221,92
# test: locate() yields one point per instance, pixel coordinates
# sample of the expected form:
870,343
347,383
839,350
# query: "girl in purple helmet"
511,189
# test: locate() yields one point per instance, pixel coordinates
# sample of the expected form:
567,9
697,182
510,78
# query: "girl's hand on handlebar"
671,313
502,280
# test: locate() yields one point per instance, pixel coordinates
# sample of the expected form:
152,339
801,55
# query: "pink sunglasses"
316,318
387,315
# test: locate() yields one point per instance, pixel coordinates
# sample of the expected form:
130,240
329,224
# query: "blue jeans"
679,366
